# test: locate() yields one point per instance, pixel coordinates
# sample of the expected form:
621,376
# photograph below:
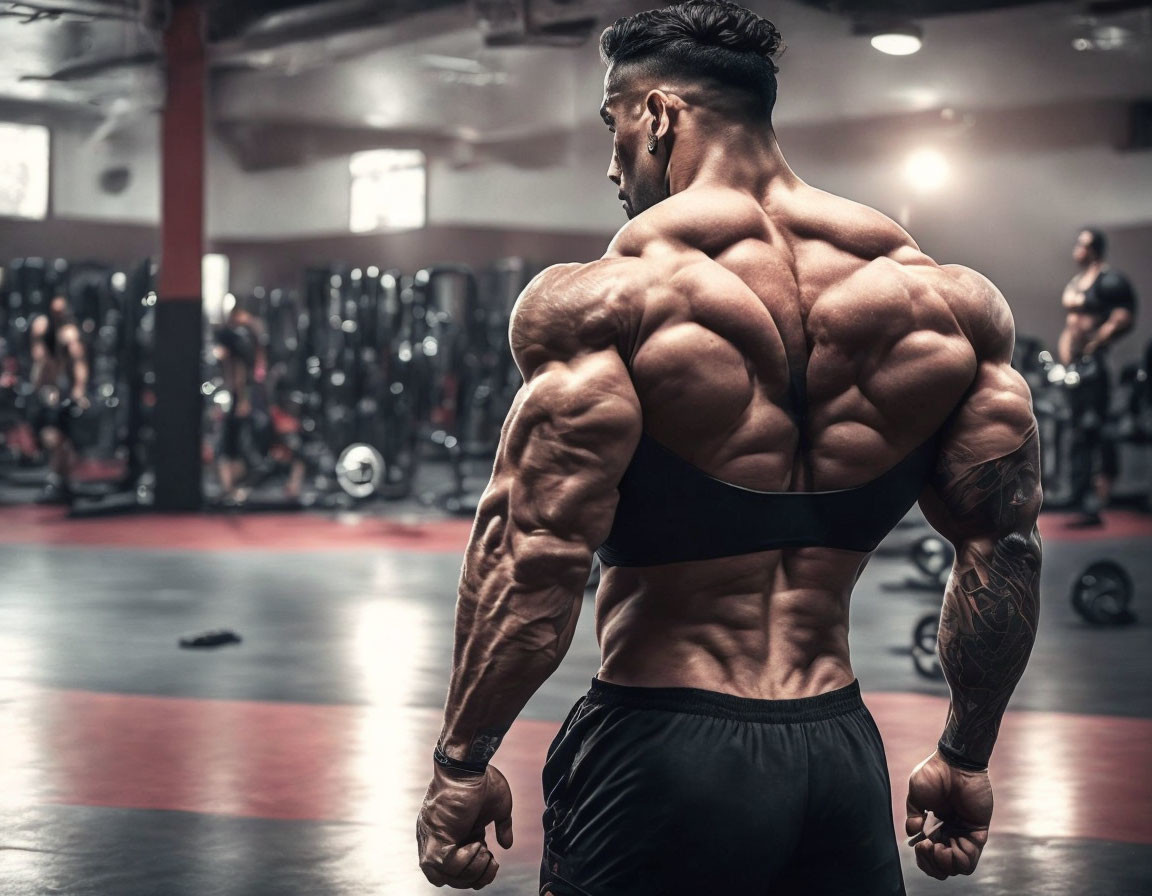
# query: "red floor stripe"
239,532
1055,774
1117,524
314,532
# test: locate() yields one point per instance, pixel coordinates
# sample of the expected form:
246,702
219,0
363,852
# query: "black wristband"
957,760
443,760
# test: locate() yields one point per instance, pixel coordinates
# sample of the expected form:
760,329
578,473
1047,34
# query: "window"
214,269
388,190
23,171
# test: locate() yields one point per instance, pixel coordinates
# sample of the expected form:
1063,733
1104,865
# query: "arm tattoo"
996,495
991,607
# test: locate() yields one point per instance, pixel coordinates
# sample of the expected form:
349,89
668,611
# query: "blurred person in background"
240,350
733,407
59,379
1100,308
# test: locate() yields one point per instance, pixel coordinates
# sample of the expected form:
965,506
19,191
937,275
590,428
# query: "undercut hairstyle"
704,41
1097,242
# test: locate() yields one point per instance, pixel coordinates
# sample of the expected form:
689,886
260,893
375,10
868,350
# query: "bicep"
986,483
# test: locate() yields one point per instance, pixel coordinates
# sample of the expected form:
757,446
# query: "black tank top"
1109,291
671,511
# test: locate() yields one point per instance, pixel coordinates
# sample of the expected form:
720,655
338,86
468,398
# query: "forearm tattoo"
991,608
484,745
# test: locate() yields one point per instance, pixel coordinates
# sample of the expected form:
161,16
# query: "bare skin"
67,362
731,276
238,377
1086,333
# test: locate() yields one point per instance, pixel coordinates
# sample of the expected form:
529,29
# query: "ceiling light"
927,170
899,40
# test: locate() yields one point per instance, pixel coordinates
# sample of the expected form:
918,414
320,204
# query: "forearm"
80,378
1108,333
987,628
1065,345
519,601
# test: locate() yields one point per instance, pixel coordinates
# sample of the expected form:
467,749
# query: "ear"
659,105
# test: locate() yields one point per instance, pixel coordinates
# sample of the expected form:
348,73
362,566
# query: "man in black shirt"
1101,307
60,378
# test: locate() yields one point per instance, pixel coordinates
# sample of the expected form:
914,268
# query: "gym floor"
294,762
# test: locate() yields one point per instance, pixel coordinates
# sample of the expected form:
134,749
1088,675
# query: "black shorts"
235,438
669,791
52,416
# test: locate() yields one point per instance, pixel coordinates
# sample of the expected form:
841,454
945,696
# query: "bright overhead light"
903,40
1104,37
927,170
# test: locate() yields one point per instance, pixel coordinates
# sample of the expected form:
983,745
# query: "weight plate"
1102,594
932,555
927,630
360,470
924,657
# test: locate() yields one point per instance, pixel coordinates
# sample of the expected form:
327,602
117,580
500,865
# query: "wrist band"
957,760
443,760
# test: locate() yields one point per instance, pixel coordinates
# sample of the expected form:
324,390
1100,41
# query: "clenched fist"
450,829
962,800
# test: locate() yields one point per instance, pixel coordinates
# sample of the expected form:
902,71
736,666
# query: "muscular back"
725,317
702,313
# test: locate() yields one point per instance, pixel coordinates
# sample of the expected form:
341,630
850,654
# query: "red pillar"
179,323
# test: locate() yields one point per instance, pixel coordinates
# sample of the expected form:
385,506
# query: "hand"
963,802
450,829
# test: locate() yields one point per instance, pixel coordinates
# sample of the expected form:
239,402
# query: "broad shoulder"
572,309
906,292
982,312
965,296
1112,282
892,262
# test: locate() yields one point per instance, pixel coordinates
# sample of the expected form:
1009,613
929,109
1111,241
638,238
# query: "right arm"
984,497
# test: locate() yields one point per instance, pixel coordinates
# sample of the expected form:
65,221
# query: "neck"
731,155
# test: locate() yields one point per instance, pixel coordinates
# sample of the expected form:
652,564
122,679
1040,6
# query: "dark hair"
1097,242
701,39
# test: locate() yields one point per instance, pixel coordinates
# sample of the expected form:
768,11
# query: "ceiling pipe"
94,9
325,19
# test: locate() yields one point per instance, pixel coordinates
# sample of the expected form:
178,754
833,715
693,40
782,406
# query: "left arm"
1118,323
1118,296
565,445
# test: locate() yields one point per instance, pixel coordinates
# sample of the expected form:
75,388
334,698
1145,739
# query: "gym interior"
268,251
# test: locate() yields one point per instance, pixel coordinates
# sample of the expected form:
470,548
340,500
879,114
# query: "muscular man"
1100,305
733,407
60,378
